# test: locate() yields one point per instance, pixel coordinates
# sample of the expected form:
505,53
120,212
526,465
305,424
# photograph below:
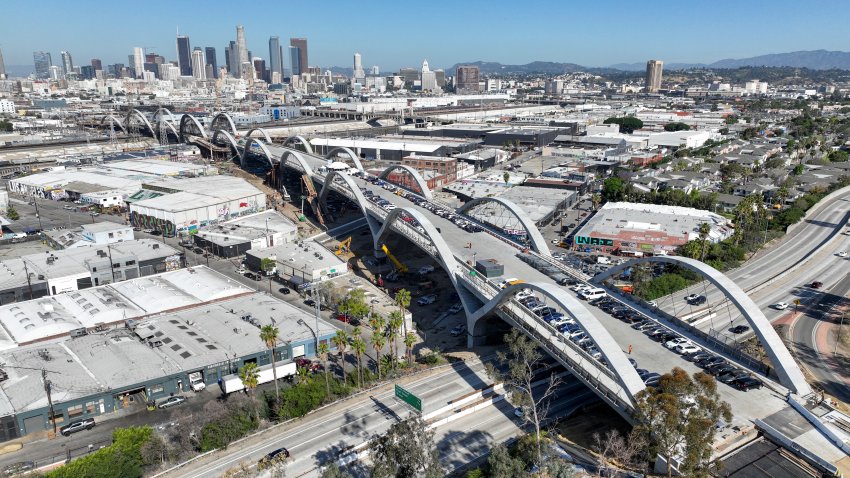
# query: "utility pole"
47,387
27,273
37,214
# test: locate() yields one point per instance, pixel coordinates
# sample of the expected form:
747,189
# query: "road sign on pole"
408,398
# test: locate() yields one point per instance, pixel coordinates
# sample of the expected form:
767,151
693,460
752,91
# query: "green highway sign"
408,398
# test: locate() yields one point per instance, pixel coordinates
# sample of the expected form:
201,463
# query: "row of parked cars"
712,364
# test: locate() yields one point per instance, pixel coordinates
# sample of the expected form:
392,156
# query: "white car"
842,254
687,349
523,294
652,304
780,306
672,344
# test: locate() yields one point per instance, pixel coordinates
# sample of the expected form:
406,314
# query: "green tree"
341,342
123,458
6,126
409,340
679,416
334,471
406,450
506,176
267,264
323,352
12,213
358,347
402,299
269,335
501,464
838,156
628,124
522,362
595,200
731,119
378,342
678,126
613,189
354,304
249,374
394,324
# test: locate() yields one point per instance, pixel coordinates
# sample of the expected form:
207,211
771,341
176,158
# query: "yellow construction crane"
398,265
343,247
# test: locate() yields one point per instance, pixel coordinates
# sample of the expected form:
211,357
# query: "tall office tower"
139,61
466,79
212,61
358,67
653,75
2,67
184,55
54,72
87,72
301,45
294,61
241,49
227,56
67,63
97,64
42,64
275,59
260,69
428,78
199,66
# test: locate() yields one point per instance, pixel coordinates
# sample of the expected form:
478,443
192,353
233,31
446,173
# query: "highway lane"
320,438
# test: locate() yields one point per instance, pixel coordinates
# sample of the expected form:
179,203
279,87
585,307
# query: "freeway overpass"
415,217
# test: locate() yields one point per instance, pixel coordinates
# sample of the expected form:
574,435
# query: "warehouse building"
96,233
189,204
300,263
635,229
191,321
68,270
396,147
255,231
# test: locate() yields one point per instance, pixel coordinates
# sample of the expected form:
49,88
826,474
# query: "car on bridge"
690,297
698,300
672,344
739,329
686,349
780,306
842,254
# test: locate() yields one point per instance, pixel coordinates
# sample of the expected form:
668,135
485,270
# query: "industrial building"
300,263
67,270
97,233
256,231
153,333
188,204
638,229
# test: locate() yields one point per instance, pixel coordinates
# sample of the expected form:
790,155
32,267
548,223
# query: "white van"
593,293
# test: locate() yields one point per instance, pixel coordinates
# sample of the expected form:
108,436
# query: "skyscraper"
275,57
653,75
358,66
199,65
428,78
294,61
466,79
184,55
139,61
241,49
299,67
42,64
228,56
2,67
260,69
212,61
97,64
67,63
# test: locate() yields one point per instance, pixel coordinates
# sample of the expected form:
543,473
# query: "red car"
308,364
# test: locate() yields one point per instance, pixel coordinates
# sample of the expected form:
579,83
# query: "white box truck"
232,383
196,381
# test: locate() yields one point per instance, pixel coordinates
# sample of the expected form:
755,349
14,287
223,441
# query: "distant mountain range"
813,60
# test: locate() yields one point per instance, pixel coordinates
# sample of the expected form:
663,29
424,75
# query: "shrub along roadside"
123,458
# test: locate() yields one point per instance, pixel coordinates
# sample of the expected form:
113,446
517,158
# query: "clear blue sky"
397,33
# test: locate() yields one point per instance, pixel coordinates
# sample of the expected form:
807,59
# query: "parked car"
459,330
426,270
427,300
252,276
455,308
77,426
284,290
747,383
705,363
171,402
687,349
731,376
672,344
271,458
739,329
780,306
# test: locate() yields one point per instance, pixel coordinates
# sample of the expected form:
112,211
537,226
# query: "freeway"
322,436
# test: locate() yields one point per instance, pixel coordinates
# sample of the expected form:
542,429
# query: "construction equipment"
312,198
343,247
398,265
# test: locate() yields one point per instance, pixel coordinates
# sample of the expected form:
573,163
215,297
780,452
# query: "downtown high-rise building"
466,79
275,59
67,63
2,67
199,64
229,60
42,62
212,62
139,61
298,55
358,67
184,55
654,69
97,64
428,79
242,51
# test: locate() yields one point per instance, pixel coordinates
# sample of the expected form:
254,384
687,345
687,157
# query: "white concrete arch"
538,242
619,364
115,121
230,139
263,131
417,178
157,117
247,148
359,198
289,153
188,120
168,125
351,154
223,121
786,367
306,144
134,113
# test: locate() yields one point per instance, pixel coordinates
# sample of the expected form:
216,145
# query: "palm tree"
269,335
402,298
250,376
704,231
358,346
377,323
595,199
341,342
323,352
393,326
409,340
378,342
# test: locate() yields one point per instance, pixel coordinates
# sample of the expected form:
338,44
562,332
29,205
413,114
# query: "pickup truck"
196,381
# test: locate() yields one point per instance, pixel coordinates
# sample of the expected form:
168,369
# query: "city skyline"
594,33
